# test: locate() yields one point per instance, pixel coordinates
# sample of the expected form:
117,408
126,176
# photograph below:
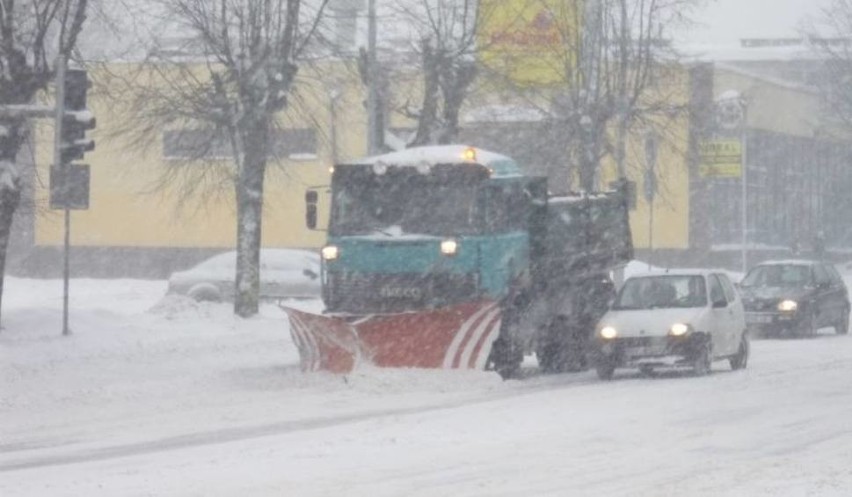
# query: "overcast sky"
726,21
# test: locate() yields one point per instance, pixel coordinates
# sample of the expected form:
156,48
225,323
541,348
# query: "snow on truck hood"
651,322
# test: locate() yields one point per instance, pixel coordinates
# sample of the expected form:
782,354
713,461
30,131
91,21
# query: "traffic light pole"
61,63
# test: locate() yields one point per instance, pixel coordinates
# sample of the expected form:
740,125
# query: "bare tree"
228,82
832,39
603,61
446,44
32,33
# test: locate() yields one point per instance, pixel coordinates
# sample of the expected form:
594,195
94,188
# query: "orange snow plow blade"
456,337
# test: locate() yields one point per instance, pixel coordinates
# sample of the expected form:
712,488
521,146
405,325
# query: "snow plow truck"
452,257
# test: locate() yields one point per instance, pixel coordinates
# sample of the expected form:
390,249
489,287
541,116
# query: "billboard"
721,158
529,42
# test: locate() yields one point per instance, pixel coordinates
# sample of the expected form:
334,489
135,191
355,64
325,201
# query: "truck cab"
424,228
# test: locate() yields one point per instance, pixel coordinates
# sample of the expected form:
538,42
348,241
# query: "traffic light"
76,119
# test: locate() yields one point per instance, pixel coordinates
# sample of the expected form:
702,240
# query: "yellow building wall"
772,106
670,229
127,211
124,210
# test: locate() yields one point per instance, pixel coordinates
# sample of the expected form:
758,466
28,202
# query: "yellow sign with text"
529,42
720,159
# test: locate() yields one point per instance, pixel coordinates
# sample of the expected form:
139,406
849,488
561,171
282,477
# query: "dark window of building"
207,143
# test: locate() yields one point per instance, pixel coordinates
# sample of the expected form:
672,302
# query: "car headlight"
679,329
788,305
330,252
449,247
608,333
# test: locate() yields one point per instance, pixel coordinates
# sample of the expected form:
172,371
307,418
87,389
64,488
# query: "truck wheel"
564,348
740,360
505,359
548,358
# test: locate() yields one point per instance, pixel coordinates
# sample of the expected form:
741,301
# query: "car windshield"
778,275
661,292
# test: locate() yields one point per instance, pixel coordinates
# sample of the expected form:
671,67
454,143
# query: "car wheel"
842,326
809,325
740,360
205,292
701,363
605,369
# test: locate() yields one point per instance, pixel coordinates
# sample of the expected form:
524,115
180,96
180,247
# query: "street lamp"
731,115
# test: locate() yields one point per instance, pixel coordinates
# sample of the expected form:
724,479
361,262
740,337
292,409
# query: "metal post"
333,96
744,176
650,232
61,63
372,81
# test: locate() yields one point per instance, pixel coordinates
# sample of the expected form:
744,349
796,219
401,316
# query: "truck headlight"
788,306
449,247
608,333
330,252
679,330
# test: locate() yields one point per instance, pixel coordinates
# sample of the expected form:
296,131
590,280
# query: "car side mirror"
311,199
310,273
720,304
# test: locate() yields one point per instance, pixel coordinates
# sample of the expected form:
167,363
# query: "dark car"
795,298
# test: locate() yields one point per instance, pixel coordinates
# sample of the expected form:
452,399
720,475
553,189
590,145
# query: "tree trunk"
250,217
455,89
589,153
9,200
10,195
429,111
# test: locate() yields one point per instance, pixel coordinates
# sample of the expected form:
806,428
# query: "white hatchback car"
673,319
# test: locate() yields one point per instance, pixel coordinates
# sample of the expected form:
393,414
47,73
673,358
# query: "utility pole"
374,135
588,94
623,102
61,63
650,183
744,173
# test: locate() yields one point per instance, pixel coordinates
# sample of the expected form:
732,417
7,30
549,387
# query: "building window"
195,144
210,144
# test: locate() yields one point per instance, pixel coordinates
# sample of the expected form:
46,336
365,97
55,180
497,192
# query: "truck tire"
505,359
563,348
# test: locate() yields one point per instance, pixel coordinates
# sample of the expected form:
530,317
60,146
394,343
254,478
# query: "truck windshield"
404,202
662,292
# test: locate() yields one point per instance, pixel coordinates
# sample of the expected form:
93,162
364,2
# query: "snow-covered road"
163,398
